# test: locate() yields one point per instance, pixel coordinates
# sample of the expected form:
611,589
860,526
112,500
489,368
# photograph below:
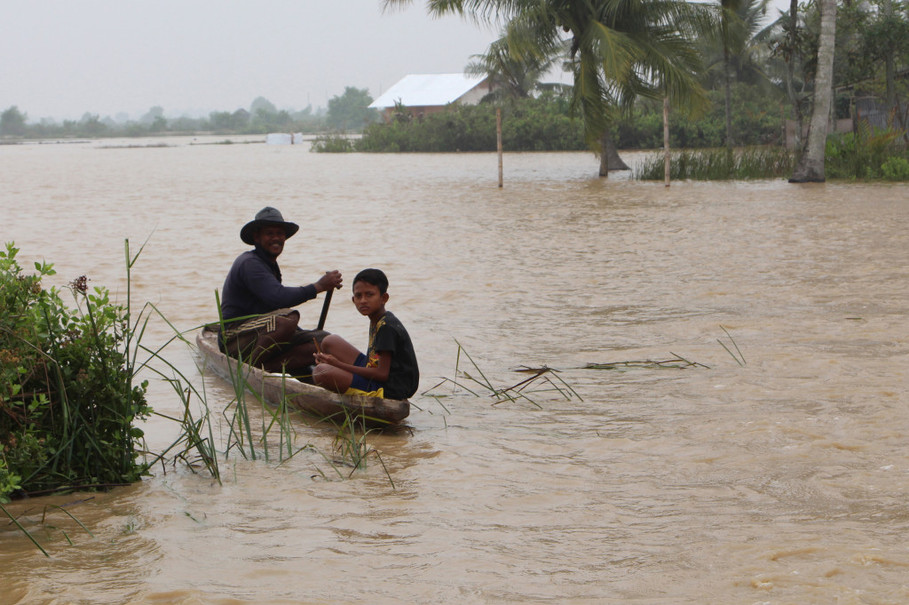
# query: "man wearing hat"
260,325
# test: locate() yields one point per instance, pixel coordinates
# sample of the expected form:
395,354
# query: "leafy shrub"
67,400
756,120
542,124
547,124
895,169
332,143
862,155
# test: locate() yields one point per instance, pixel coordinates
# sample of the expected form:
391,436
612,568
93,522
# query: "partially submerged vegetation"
547,123
68,400
719,164
542,380
866,155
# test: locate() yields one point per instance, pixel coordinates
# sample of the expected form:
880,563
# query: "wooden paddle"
325,308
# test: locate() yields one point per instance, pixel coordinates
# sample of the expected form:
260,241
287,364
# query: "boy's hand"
324,358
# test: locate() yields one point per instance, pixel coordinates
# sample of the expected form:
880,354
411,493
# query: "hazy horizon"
62,59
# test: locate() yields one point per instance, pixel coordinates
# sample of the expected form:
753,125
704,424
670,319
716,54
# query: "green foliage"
350,111
862,155
757,119
542,124
895,169
67,400
547,124
334,142
719,164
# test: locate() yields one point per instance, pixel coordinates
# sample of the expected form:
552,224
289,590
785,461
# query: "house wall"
476,94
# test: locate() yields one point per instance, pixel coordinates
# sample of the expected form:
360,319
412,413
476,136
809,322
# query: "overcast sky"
62,58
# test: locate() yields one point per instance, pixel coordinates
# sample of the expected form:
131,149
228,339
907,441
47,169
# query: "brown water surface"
779,473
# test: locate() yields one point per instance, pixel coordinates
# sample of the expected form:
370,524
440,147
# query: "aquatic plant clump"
67,399
719,164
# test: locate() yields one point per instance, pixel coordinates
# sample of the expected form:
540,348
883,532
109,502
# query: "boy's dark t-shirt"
404,374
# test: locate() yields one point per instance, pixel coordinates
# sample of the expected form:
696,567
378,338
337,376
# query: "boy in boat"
259,325
389,367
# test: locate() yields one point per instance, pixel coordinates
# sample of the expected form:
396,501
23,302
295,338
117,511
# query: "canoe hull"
273,388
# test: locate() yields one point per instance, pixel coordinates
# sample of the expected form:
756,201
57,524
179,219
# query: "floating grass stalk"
675,362
739,359
542,377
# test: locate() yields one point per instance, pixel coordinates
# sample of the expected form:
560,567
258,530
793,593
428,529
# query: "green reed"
350,444
719,164
737,356
70,394
543,379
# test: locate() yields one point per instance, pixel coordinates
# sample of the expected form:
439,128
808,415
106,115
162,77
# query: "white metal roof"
427,90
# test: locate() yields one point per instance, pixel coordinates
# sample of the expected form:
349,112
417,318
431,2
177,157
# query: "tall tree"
787,40
618,50
12,122
886,39
351,111
810,167
737,41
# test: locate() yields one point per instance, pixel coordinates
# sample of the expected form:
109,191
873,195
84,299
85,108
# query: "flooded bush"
332,143
868,154
67,398
543,124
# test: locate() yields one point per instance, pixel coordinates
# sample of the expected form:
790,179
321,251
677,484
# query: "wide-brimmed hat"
266,216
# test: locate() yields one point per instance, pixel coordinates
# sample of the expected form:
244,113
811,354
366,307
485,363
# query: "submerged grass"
543,380
102,394
719,164
674,362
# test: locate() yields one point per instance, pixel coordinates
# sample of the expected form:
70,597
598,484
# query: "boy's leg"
296,356
328,376
332,378
340,348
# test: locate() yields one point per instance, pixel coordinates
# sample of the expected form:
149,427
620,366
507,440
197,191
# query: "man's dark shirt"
253,286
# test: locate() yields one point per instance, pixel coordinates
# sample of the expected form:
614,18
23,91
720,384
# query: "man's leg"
271,344
296,354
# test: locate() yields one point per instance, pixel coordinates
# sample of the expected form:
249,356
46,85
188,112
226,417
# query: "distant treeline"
349,111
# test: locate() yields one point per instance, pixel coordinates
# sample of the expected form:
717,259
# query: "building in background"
424,94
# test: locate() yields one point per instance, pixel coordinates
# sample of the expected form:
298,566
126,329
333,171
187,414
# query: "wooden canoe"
316,401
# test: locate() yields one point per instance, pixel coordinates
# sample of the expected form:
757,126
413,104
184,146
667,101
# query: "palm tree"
810,167
511,75
734,47
788,40
618,50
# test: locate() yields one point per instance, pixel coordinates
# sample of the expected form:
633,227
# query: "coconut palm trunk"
609,155
810,168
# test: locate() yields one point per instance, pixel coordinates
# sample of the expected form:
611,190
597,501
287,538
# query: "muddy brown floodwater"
778,473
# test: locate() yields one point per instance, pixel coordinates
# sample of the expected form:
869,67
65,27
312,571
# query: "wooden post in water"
499,141
666,140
